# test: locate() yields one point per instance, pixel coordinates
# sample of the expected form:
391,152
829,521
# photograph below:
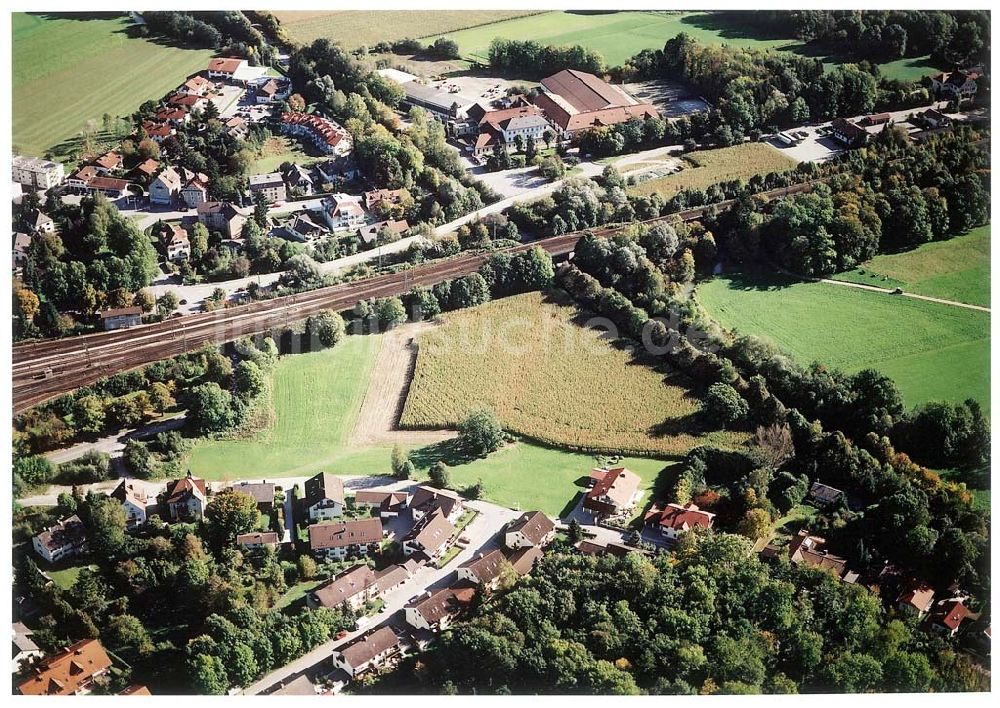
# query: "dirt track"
378,421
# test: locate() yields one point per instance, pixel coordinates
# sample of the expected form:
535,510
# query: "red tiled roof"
344,586
330,132
110,160
619,485
149,167
108,183
681,518
64,673
225,65
180,489
953,613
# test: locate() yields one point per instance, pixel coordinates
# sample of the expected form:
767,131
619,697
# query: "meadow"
708,167
355,28
279,149
550,380
956,269
317,397
67,73
523,476
619,36
932,351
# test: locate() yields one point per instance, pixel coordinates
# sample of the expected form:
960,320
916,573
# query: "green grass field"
957,269
932,351
281,149
550,380
317,398
619,36
65,577
68,72
354,28
707,167
523,476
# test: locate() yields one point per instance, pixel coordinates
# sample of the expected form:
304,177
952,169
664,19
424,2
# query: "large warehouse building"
576,101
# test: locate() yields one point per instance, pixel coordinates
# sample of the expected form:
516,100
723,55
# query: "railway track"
82,360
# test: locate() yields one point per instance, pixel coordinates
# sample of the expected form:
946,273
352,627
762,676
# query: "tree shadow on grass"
451,452
760,281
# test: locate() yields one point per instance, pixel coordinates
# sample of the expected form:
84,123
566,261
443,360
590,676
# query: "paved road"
889,291
114,444
482,532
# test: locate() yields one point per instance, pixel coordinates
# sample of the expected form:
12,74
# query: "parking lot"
671,98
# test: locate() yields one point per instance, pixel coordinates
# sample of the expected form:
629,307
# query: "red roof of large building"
330,132
66,672
576,100
225,65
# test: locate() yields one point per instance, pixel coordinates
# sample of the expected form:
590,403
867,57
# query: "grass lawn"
932,351
317,398
447,557
799,516
295,593
619,36
279,149
65,577
354,28
71,71
550,380
707,167
957,269
523,476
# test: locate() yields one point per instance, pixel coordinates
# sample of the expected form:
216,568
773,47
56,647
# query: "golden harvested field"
708,167
550,380
354,28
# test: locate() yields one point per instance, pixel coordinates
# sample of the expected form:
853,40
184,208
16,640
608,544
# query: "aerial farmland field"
932,351
618,36
69,72
366,27
956,269
708,167
550,380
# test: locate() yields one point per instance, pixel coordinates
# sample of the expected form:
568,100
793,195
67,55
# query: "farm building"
575,101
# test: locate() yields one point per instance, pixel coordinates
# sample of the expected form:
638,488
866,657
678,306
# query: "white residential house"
271,185
177,243
166,187
186,498
25,648
435,611
37,173
430,536
370,651
530,529
194,193
137,503
225,68
353,587
66,539
426,500
343,211
484,570
324,497
340,540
